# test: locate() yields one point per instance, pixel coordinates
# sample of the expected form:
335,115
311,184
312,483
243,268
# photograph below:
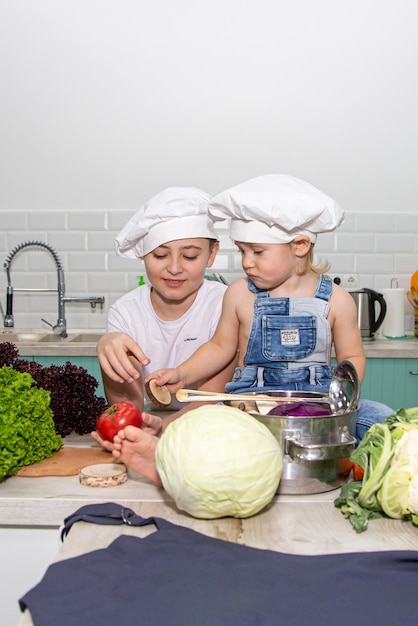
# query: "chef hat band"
259,232
187,227
174,213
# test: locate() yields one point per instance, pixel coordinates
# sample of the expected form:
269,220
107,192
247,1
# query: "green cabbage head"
217,461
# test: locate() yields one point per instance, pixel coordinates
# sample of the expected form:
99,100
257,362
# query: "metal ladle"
342,397
344,389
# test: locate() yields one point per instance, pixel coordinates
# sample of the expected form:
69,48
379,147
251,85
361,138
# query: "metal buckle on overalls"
127,515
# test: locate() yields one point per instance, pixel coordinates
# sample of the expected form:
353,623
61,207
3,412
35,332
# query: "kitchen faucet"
60,327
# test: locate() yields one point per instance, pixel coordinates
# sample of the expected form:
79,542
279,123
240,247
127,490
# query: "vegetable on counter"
27,431
358,472
217,461
388,455
300,409
116,417
74,403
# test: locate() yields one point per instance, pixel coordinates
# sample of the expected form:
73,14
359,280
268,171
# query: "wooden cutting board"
67,462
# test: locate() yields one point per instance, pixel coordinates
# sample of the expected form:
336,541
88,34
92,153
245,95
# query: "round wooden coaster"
160,396
103,475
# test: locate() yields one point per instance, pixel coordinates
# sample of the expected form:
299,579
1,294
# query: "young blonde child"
286,315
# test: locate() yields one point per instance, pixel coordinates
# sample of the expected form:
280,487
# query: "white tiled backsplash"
370,247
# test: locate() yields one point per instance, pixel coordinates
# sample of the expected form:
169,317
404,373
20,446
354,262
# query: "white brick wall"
376,247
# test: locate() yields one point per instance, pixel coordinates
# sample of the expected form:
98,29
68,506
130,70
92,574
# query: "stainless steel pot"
316,449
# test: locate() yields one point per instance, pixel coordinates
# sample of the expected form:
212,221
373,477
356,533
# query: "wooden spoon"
194,395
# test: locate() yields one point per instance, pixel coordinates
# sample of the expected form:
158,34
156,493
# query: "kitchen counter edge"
378,348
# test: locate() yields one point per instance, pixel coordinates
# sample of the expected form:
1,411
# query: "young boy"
286,315
163,323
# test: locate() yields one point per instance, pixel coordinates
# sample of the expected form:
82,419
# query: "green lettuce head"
27,429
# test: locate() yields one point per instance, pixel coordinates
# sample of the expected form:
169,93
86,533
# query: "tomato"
116,417
358,472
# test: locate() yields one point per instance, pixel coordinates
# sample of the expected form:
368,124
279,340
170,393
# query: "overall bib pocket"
288,338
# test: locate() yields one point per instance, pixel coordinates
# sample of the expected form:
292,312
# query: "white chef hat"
174,213
275,209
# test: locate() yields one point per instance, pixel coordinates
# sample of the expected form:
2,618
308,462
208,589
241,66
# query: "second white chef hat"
275,209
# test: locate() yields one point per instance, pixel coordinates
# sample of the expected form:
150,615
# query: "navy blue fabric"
108,513
178,577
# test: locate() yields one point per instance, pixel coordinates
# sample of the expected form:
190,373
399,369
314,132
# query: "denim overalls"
289,346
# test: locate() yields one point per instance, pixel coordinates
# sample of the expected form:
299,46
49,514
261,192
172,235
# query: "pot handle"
320,451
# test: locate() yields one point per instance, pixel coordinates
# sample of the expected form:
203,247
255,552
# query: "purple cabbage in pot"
300,409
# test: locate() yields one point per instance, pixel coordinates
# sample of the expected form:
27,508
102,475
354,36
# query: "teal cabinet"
90,363
391,381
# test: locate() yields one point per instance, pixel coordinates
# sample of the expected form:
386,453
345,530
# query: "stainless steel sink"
40,337
86,337
51,338
13,337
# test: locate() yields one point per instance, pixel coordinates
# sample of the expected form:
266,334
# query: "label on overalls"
290,337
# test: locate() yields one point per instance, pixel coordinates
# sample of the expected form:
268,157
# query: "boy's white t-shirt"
167,344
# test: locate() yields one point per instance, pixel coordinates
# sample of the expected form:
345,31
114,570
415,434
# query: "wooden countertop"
308,524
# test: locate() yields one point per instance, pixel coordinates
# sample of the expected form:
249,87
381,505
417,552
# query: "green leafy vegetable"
74,403
388,453
27,431
218,461
374,455
351,509
399,492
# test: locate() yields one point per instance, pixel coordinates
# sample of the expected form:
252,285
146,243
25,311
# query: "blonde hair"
320,267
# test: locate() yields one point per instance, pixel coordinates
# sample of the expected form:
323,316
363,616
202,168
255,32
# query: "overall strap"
259,293
109,513
324,287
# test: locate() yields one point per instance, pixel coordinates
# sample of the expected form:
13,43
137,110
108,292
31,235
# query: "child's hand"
107,445
151,424
172,378
114,351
